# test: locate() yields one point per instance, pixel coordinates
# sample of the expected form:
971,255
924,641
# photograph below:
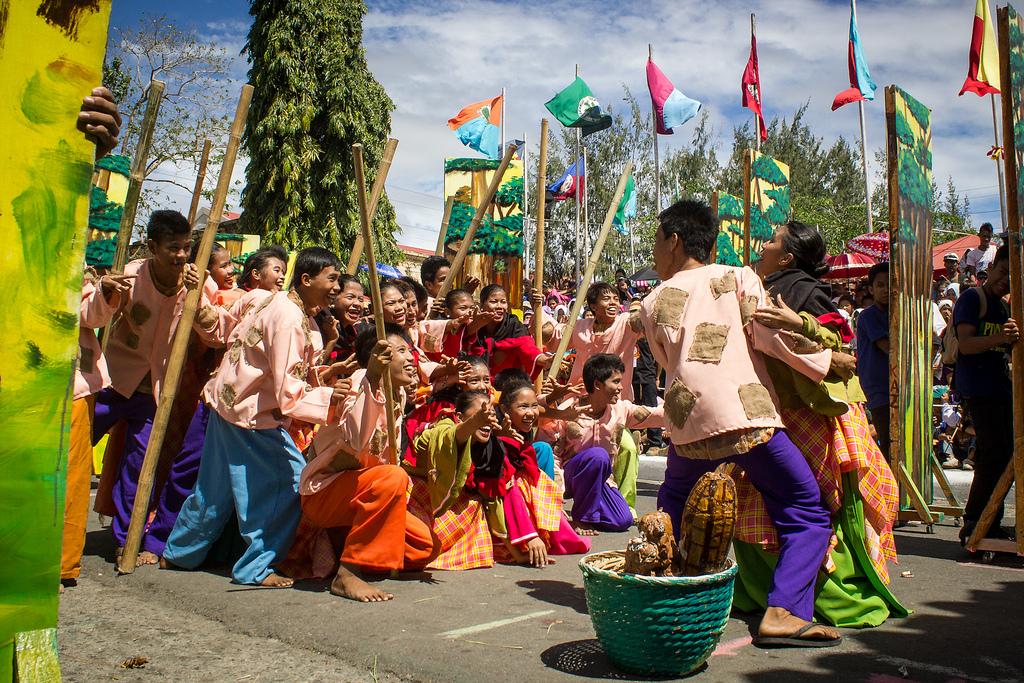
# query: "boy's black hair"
512,390
1002,253
311,261
257,260
846,297
877,269
807,247
597,289
453,296
599,368
986,226
695,225
417,288
508,377
368,338
430,266
466,398
167,224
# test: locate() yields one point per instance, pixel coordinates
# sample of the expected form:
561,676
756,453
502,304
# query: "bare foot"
518,556
779,623
145,558
585,530
349,584
275,580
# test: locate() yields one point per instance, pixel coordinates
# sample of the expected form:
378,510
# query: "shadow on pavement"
586,658
560,593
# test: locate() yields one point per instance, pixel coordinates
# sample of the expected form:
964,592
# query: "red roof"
959,246
415,250
230,216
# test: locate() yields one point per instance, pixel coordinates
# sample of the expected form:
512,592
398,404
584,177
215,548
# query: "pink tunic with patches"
140,338
717,386
358,431
95,311
619,339
268,374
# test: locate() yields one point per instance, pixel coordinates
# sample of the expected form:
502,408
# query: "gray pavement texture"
513,623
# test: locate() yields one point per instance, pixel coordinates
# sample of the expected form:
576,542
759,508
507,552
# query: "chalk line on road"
479,628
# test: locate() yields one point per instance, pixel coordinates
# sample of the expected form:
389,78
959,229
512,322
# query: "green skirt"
853,596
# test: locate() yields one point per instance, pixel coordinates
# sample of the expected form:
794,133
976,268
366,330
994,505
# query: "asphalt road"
512,623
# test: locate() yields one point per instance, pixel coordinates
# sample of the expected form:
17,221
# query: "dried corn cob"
708,522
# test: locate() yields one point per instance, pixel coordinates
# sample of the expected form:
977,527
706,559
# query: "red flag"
752,88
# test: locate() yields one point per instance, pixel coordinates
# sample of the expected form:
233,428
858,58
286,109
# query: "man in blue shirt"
985,334
873,353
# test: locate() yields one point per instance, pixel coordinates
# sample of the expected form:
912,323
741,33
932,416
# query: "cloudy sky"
434,58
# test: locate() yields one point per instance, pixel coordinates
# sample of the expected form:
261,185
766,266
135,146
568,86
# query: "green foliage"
765,168
104,214
903,131
510,193
730,207
116,78
314,97
471,164
726,254
779,212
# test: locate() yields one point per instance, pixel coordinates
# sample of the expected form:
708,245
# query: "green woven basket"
656,625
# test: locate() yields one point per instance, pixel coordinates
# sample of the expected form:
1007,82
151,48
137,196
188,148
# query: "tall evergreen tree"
314,98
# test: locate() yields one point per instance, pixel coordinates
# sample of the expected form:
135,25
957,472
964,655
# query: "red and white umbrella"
873,244
848,266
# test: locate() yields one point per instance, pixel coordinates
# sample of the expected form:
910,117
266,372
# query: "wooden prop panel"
766,201
909,146
729,209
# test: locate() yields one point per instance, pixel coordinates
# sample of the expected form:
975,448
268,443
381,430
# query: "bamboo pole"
138,175
179,347
481,208
999,166
581,291
197,192
448,203
365,219
863,144
748,200
378,188
538,276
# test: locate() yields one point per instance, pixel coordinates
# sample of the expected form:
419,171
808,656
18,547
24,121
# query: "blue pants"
545,458
254,473
791,494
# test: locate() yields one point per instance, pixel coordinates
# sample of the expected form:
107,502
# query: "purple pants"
137,411
181,480
594,502
780,472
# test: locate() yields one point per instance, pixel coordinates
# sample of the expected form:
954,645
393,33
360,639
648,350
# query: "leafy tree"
314,98
196,104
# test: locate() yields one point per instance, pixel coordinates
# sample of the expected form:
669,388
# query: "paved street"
512,623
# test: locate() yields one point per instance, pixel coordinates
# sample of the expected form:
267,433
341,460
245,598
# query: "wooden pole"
999,166
439,249
863,144
481,208
378,189
1013,227
747,202
654,134
197,192
137,176
179,347
757,119
595,255
504,109
365,219
525,205
576,196
718,222
538,254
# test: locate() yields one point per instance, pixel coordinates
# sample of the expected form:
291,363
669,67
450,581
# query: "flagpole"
586,213
757,119
863,144
526,208
576,191
503,110
654,131
999,164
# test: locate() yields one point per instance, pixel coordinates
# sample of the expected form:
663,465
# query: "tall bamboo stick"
365,218
481,208
179,347
863,144
999,166
138,175
748,200
378,188
538,270
448,203
591,267
197,192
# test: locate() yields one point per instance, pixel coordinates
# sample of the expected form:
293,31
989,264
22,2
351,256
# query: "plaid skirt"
832,446
462,529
